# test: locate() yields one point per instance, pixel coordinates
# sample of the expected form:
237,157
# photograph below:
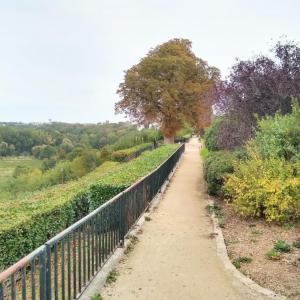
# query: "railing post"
43,274
1,291
122,221
48,272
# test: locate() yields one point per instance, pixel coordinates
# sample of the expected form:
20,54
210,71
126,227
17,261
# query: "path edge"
99,281
223,255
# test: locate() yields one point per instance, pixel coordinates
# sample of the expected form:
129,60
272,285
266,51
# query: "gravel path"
175,257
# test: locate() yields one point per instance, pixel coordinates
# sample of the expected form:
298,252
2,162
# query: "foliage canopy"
168,87
257,87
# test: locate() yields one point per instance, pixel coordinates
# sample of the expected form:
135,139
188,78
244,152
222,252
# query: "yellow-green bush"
268,188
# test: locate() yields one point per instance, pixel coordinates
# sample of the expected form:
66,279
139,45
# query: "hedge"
216,165
28,222
130,172
130,153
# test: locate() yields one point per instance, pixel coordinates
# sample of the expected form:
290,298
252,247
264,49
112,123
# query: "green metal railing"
64,266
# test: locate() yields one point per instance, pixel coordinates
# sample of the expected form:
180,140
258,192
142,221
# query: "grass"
282,246
273,255
216,210
112,276
288,226
231,242
8,164
279,247
241,260
7,167
97,297
133,240
256,232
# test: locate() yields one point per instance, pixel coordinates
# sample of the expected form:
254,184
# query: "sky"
64,59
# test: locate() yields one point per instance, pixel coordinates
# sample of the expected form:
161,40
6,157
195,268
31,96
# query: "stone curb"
98,282
223,254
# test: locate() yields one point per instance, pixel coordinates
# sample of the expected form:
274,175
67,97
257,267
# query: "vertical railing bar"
93,245
115,225
23,284
99,240
96,240
12,287
89,252
106,234
79,258
120,221
32,275
69,267
84,253
45,273
102,237
63,269
109,230
74,265
1,291
55,272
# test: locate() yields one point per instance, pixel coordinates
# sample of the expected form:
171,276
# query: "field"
8,164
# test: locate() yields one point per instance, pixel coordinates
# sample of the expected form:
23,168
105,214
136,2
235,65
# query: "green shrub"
204,152
282,246
28,222
267,188
279,247
130,153
97,297
279,136
267,183
241,260
216,165
273,255
21,170
211,134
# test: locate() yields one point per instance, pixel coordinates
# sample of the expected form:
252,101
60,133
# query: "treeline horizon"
38,123
46,139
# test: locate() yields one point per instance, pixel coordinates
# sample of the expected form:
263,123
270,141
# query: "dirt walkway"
175,258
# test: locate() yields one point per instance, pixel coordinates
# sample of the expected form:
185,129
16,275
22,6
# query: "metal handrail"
66,263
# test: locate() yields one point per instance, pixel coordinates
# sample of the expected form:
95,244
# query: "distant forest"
46,140
60,152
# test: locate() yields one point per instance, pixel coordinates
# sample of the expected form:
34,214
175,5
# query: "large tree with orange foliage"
169,87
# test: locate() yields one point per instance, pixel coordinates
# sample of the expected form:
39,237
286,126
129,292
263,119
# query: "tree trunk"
169,139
